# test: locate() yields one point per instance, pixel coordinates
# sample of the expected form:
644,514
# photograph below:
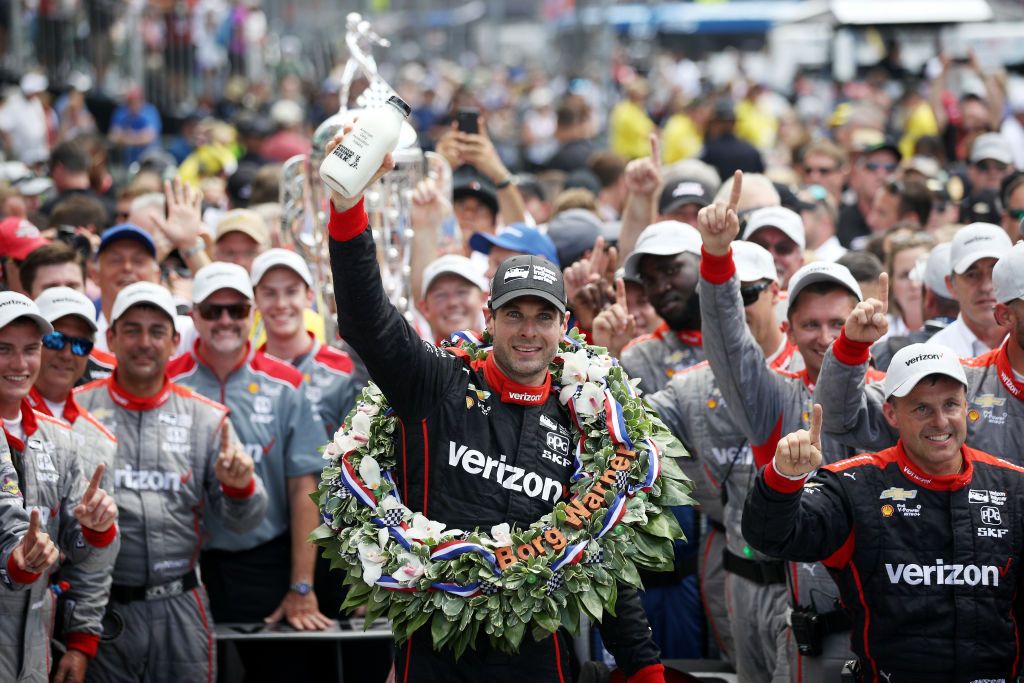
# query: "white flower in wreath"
501,535
370,409
598,370
589,402
574,366
369,472
332,452
372,556
355,435
423,529
409,569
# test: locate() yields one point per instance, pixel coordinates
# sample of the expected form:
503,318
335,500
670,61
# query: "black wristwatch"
301,587
510,179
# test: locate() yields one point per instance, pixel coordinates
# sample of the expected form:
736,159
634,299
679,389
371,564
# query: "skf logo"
898,494
985,532
988,401
888,510
990,516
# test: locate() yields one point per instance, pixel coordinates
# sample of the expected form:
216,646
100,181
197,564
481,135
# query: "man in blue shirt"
135,126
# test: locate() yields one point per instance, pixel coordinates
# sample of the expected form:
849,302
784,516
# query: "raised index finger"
883,294
737,189
33,526
816,425
620,292
225,440
655,149
94,483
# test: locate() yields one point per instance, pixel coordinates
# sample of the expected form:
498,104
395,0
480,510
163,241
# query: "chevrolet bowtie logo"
988,401
898,494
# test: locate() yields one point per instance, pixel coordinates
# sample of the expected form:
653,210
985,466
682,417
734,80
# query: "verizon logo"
148,480
523,396
507,476
941,574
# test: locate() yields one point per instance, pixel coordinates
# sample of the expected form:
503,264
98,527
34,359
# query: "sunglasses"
820,170
56,341
784,247
751,293
1016,214
990,166
209,311
875,166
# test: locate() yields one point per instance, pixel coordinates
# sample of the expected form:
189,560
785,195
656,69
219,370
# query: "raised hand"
615,327
799,453
342,203
868,321
37,551
643,176
184,222
96,510
718,223
234,467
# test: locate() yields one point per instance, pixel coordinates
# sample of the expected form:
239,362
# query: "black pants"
248,585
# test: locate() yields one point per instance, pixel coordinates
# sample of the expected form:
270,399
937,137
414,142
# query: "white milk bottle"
351,165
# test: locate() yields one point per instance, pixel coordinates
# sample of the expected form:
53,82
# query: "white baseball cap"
786,220
990,146
977,241
821,271
217,276
1008,275
935,268
56,302
452,264
664,238
753,262
144,293
914,362
14,305
274,258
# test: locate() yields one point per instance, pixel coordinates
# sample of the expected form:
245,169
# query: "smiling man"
453,296
667,260
923,538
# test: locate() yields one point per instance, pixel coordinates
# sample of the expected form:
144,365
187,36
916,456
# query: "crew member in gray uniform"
666,259
65,357
38,465
178,466
283,288
995,392
722,465
266,573
767,404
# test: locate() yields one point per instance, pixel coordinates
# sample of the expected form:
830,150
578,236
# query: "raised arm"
643,181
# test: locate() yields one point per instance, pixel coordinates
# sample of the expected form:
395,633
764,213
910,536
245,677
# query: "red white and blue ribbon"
578,461
468,591
615,420
616,511
653,465
395,531
354,485
575,417
450,549
571,555
393,584
465,336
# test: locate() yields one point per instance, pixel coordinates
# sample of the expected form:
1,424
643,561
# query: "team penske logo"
507,476
130,478
942,574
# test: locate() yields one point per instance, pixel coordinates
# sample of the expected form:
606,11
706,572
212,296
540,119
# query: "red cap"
19,238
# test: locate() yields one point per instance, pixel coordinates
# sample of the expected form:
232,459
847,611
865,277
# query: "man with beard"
854,413
766,403
265,574
666,259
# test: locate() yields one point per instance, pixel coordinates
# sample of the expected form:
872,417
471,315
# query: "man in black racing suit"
478,443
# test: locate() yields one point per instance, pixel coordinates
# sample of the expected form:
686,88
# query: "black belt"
764,572
177,586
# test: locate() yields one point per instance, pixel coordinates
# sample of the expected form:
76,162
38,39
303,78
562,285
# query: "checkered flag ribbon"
554,583
343,492
595,557
392,517
621,480
488,588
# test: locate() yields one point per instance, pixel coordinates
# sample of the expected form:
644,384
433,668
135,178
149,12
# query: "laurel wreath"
415,572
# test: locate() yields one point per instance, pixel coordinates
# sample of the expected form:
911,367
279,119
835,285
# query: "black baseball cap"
467,181
527,275
682,191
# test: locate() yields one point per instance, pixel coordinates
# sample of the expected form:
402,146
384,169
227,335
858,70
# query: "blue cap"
517,237
127,231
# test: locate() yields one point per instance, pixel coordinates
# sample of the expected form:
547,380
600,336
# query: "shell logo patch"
888,510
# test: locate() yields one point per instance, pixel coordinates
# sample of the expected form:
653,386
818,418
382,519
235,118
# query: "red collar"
137,403
687,337
71,407
513,392
29,425
946,482
785,356
1006,375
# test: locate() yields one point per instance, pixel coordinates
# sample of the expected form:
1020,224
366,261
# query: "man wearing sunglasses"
722,466
990,162
874,165
267,573
39,465
64,356
781,232
178,466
